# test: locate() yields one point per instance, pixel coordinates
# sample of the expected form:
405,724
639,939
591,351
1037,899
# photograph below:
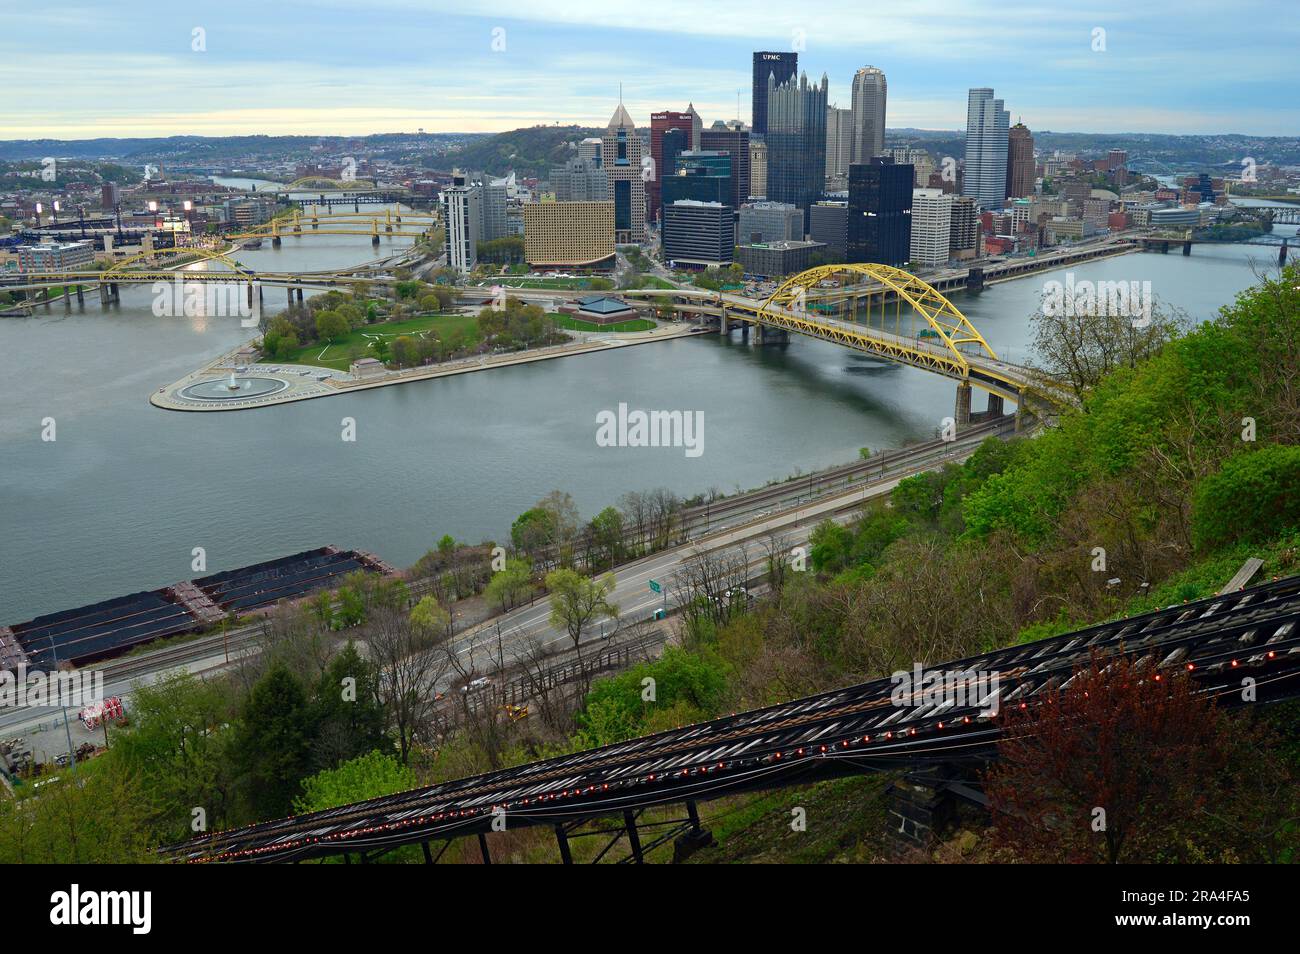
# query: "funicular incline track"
1219,640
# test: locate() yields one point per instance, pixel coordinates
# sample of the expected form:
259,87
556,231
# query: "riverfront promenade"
284,383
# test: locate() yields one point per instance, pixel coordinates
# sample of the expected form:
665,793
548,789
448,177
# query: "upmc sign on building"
783,66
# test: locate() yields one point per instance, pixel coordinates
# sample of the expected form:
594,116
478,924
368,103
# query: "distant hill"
526,152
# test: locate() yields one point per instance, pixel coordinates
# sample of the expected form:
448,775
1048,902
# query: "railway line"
1219,641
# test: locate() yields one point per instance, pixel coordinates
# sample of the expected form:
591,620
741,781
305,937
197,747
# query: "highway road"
745,532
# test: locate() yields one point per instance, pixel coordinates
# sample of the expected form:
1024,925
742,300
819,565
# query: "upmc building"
783,66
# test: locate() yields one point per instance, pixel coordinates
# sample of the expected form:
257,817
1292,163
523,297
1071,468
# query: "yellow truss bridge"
888,313
331,185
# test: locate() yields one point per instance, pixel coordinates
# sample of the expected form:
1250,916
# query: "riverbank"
303,382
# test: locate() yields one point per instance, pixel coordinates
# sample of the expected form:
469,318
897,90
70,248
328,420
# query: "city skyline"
326,68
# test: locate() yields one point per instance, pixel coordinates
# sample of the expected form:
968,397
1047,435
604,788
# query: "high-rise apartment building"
733,139
661,123
796,141
495,193
1020,162
869,90
462,211
779,67
987,127
880,212
931,227
621,157
839,142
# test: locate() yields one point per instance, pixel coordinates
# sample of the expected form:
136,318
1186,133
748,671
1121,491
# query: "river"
119,499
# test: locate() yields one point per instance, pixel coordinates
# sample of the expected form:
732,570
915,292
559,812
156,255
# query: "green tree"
274,747
371,775
346,715
509,584
428,617
330,325
1255,496
177,752
578,601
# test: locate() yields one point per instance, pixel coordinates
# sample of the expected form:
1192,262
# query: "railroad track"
1219,641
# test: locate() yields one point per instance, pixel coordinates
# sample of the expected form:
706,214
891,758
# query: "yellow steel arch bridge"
885,312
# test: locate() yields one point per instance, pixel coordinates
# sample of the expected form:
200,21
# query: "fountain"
232,384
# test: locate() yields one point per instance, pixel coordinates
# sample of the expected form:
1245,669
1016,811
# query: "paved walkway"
302,382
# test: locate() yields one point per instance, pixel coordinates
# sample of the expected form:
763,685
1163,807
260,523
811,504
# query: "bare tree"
709,587
410,669
1080,346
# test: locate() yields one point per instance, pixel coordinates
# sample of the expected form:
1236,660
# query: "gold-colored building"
569,234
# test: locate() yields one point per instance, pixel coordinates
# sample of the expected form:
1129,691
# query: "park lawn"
338,355
574,324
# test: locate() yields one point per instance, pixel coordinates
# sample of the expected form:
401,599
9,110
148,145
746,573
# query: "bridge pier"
289,292
1281,254
975,278
275,241
103,294
961,414
299,290
723,323
81,295
921,806
1187,249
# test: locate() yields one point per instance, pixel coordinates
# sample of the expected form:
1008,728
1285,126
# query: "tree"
509,584
177,753
274,746
380,347
371,775
1121,768
606,529
1081,345
1253,497
410,668
346,713
429,618
330,325
404,351
578,601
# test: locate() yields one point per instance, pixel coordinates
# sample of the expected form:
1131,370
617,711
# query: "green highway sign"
655,587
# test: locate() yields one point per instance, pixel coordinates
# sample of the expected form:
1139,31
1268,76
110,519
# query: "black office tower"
880,212
783,66
796,142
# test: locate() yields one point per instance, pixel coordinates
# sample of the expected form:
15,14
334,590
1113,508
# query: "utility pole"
67,729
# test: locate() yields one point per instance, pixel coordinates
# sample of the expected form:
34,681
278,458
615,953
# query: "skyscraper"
796,141
660,123
733,139
931,227
839,141
699,176
1020,162
987,126
880,212
868,114
462,206
621,157
782,66
757,169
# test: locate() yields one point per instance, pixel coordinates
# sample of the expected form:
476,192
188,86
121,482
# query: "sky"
77,70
